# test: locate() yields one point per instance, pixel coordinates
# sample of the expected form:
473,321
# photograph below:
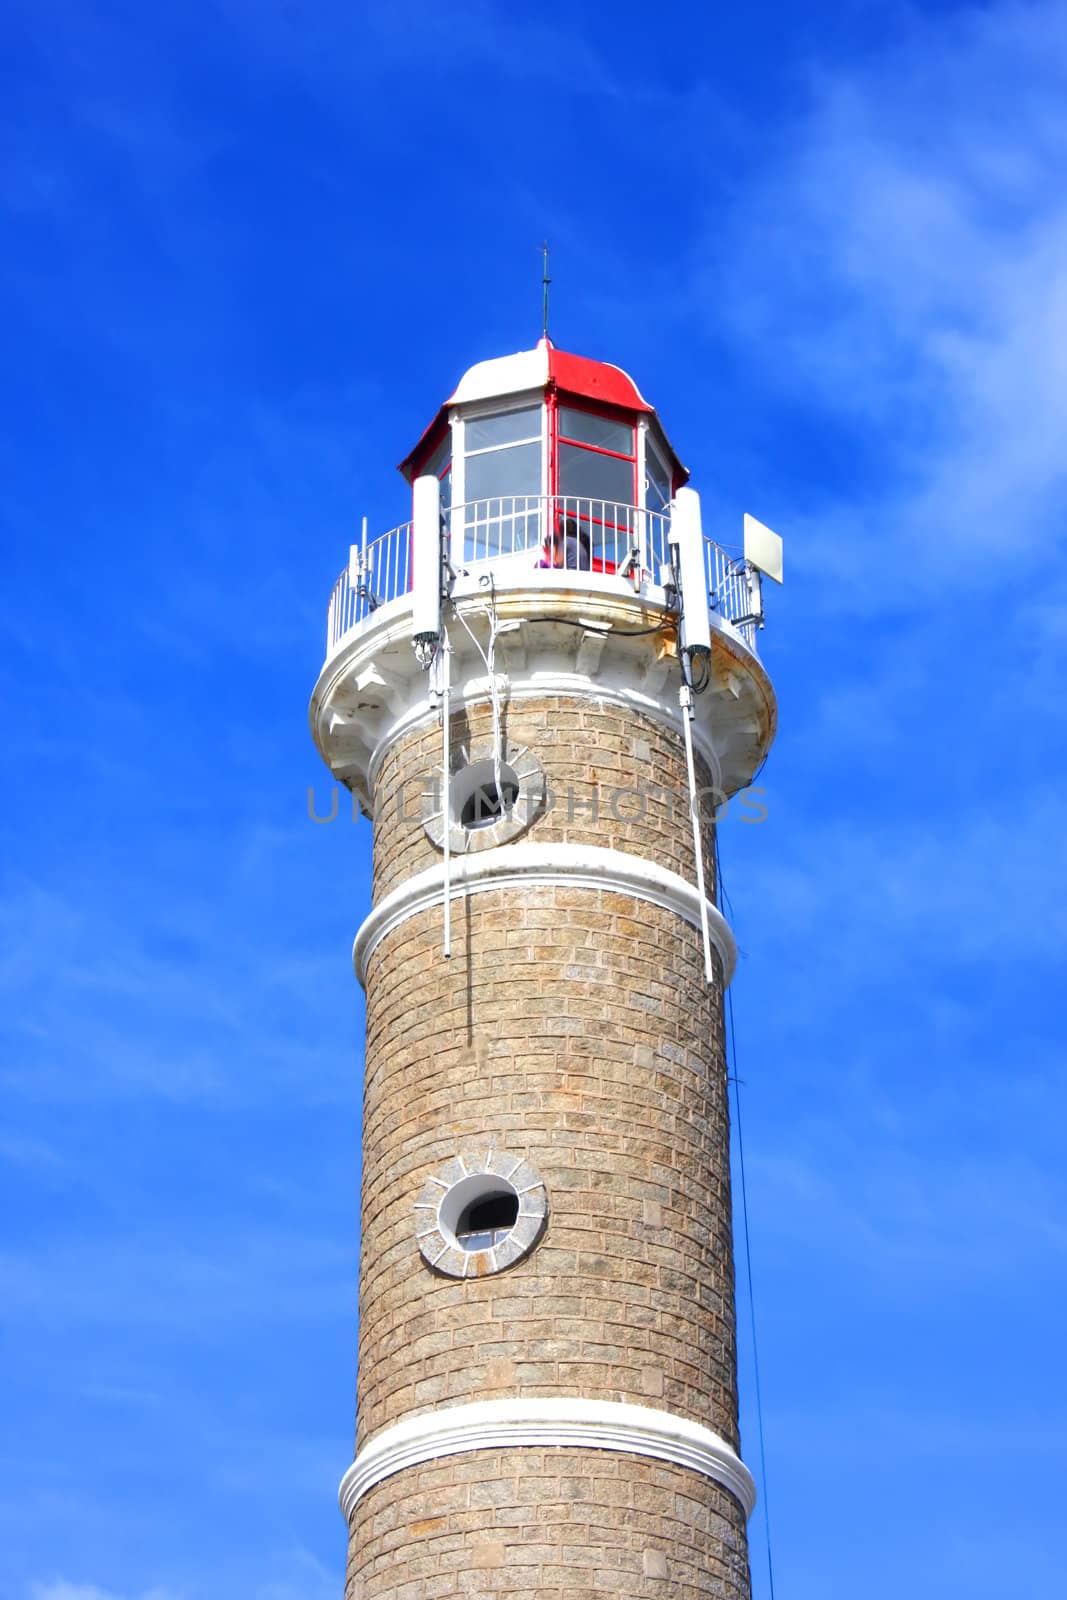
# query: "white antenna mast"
444,653
430,640
687,537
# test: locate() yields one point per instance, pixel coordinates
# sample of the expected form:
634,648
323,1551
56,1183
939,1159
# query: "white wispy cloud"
899,263
33,1154
122,996
284,1573
298,1575
903,1223
62,1589
240,1276
945,887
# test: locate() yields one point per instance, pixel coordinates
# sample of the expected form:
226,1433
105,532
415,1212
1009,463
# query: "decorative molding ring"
544,1423
534,864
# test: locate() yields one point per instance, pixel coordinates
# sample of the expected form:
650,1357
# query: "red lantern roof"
543,368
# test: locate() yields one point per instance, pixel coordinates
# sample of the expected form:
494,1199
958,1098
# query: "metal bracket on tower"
361,571
763,555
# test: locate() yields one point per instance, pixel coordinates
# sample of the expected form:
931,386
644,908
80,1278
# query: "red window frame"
556,437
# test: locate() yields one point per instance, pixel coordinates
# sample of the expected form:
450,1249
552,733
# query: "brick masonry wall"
572,1027
622,776
555,1524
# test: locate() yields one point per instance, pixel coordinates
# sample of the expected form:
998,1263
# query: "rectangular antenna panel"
687,535
426,558
763,548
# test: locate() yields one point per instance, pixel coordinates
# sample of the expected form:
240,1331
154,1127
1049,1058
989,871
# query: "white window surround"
453,1187
528,805
535,863
546,1423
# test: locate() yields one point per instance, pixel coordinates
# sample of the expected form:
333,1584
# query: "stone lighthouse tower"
539,688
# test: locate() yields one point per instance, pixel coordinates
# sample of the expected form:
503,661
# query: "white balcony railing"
600,538
376,574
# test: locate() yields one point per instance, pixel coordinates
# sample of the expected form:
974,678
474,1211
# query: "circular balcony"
579,595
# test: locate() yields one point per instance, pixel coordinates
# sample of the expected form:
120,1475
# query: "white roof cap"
527,369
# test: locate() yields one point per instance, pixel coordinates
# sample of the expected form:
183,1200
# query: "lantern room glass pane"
603,432
486,433
502,490
657,481
594,476
513,470
440,459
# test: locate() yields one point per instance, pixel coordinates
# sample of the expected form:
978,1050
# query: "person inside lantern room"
567,546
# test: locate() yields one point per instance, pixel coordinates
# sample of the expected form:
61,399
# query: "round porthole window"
487,804
478,800
480,1214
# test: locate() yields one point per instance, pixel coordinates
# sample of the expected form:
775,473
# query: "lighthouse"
540,687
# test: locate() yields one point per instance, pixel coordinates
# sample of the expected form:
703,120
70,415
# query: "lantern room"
547,453
536,461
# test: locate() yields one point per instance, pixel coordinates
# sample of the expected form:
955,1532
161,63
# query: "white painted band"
530,864
576,1424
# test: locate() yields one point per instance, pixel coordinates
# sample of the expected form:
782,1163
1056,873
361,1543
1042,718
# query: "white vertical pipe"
446,792
709,971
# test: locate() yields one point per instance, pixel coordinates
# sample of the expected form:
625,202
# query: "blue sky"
248,248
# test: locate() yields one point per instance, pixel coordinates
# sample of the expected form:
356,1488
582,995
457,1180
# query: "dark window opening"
484,802
486,1222
487,804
